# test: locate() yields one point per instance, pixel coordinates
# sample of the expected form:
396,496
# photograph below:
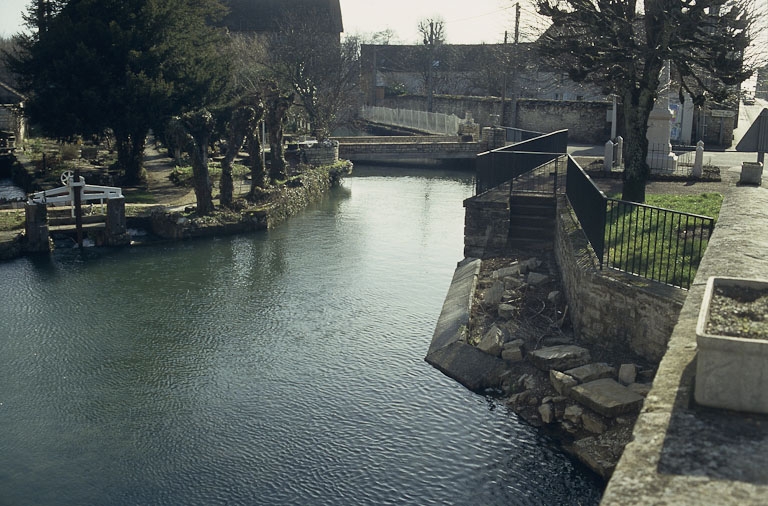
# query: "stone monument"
660,155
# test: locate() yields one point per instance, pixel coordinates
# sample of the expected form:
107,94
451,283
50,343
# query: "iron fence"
655,243
589,203
503,164
546,179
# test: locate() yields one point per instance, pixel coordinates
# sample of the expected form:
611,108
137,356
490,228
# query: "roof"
449,57
267,15
9,95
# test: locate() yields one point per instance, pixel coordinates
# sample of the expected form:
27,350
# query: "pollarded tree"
623,45
124,65
192,133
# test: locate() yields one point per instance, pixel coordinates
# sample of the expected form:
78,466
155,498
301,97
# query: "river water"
283,367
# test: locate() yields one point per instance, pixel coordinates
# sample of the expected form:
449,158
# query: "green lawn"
658,245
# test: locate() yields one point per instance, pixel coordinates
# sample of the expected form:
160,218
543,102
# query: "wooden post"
78,207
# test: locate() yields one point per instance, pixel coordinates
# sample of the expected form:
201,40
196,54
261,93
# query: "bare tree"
432,31
624,44
192,132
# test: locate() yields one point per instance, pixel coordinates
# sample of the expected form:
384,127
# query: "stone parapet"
682,453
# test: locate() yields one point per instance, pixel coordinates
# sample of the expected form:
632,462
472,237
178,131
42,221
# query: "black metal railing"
589,204
503,164
546,179
655,243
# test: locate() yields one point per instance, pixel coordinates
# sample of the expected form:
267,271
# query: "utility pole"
505,67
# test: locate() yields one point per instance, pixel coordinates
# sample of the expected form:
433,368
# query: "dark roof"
267,15
10,96
450,57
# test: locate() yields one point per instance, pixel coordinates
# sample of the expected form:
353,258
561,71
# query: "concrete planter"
731,372
751,173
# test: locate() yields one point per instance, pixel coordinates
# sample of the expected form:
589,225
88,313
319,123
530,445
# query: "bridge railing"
503,164
430,122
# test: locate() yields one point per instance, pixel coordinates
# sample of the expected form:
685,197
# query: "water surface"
274,368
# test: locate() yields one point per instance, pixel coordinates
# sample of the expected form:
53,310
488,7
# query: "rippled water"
9,191
275,368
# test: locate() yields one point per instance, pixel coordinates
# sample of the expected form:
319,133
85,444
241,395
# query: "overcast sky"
466,22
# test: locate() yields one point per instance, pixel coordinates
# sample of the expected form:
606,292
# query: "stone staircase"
532,221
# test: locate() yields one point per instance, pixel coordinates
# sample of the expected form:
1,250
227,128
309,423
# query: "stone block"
492,295
573,414
593,423
469,366
592,372
561,382
511,270
627,374
507,311
547,413
512,354
536,279
492,341
607,397
513,282
561,357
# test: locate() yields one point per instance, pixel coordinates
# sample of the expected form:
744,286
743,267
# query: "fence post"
608,162
698,163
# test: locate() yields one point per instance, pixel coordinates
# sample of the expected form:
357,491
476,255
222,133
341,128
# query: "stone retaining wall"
313,185
608,307
486,223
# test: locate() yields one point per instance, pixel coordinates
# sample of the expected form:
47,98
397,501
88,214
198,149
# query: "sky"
466,21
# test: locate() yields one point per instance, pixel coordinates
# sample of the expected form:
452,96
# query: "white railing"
430,122
65,195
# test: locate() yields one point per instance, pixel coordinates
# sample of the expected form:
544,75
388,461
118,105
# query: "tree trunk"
201,176
226,184
636,169
130,155
638,104
258,174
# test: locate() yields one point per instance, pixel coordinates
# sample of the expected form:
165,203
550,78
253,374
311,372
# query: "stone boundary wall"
484,110
608,307
396,139
586,121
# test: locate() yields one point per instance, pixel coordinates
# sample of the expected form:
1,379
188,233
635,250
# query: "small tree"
192,132
276,111
307,57
623,46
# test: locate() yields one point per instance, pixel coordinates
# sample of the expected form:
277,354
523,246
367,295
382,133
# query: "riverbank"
505,332
170,213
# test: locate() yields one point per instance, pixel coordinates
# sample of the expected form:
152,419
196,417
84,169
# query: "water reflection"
276,368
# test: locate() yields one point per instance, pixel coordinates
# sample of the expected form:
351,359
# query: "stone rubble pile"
548,379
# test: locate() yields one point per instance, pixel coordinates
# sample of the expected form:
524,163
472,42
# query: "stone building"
12,123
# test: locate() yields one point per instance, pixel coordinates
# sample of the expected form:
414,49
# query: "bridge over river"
422,148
